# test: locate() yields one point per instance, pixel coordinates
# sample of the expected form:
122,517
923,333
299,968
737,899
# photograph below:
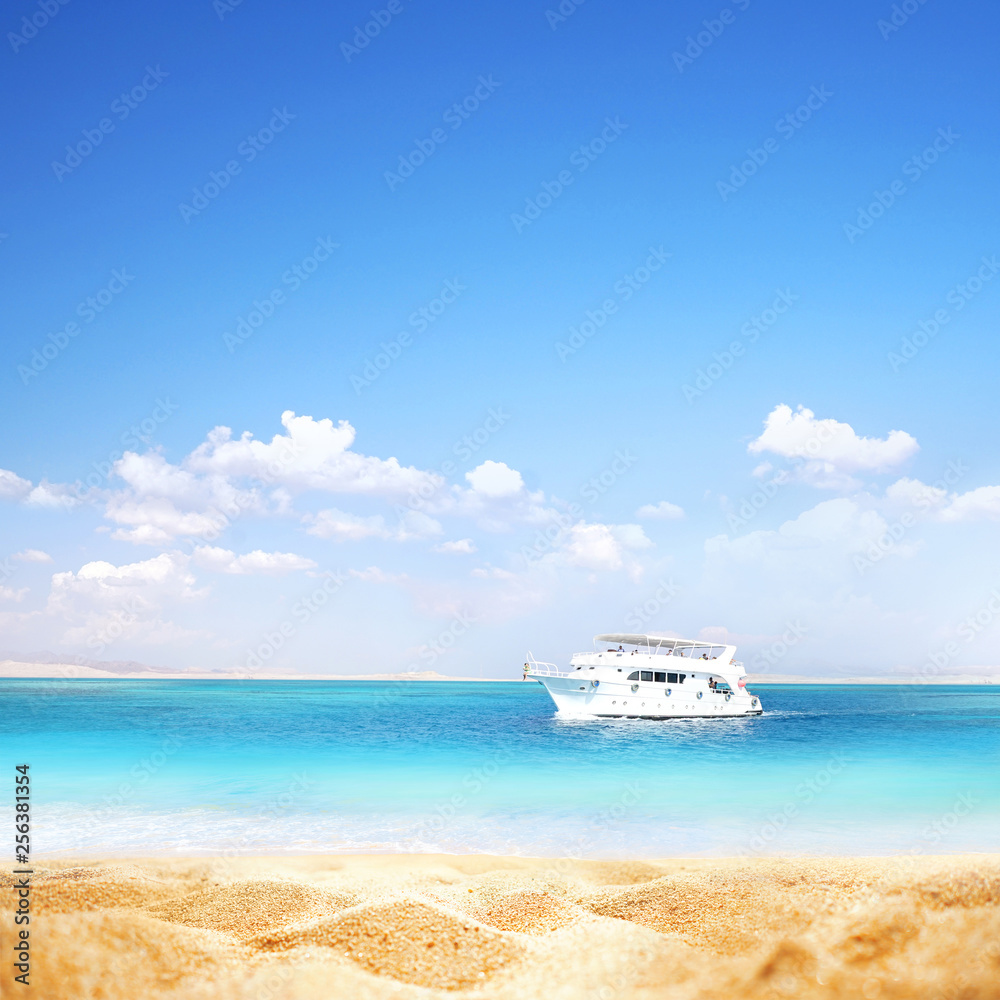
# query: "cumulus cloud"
663,511
831,451
907,492
495,479
150,474
168,571
32,555
273,563
936,502
312,455
10,594
602,546
463,546
979,504
157,521
162,501
102,602
152,501
226,477
45,494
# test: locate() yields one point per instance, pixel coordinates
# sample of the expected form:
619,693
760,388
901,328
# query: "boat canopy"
654,641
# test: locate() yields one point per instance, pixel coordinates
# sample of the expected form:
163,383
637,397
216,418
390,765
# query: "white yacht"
648,677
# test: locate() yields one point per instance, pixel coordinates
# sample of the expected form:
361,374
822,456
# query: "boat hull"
575,697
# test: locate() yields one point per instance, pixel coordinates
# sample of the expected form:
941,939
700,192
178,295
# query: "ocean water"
207,767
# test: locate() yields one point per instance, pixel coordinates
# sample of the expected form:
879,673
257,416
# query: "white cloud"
810,550
907,492
663,511
224,478
103,603
157,521
273,563
12,486
169,569
582,555
313,455
32,555
977,504
10,594
982,503
493,573
163,501
415,524
373,574
150,474
631,536
495,479
45,494
463,546
341,526
831,450
601,546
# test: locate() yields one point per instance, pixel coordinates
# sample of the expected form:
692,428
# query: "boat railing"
542,669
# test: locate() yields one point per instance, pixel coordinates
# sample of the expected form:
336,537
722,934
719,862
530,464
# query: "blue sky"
832,162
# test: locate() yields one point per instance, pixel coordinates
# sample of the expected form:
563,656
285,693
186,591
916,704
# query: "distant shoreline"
15,670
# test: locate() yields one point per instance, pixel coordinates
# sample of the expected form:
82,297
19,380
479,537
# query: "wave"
66,829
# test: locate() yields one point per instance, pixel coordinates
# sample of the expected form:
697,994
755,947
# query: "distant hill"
46,665
108,666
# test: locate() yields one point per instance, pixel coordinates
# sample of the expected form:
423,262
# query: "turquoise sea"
192,767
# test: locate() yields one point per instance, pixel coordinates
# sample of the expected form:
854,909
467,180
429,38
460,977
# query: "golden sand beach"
420,926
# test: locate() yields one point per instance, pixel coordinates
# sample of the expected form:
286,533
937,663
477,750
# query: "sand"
421,926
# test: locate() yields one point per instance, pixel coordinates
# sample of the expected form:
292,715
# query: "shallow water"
152,767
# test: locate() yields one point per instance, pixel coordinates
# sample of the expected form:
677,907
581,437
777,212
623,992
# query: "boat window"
634,676
661,678
646,675
680,678
671,678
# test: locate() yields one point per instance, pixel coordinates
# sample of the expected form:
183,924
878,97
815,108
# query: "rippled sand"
406,926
